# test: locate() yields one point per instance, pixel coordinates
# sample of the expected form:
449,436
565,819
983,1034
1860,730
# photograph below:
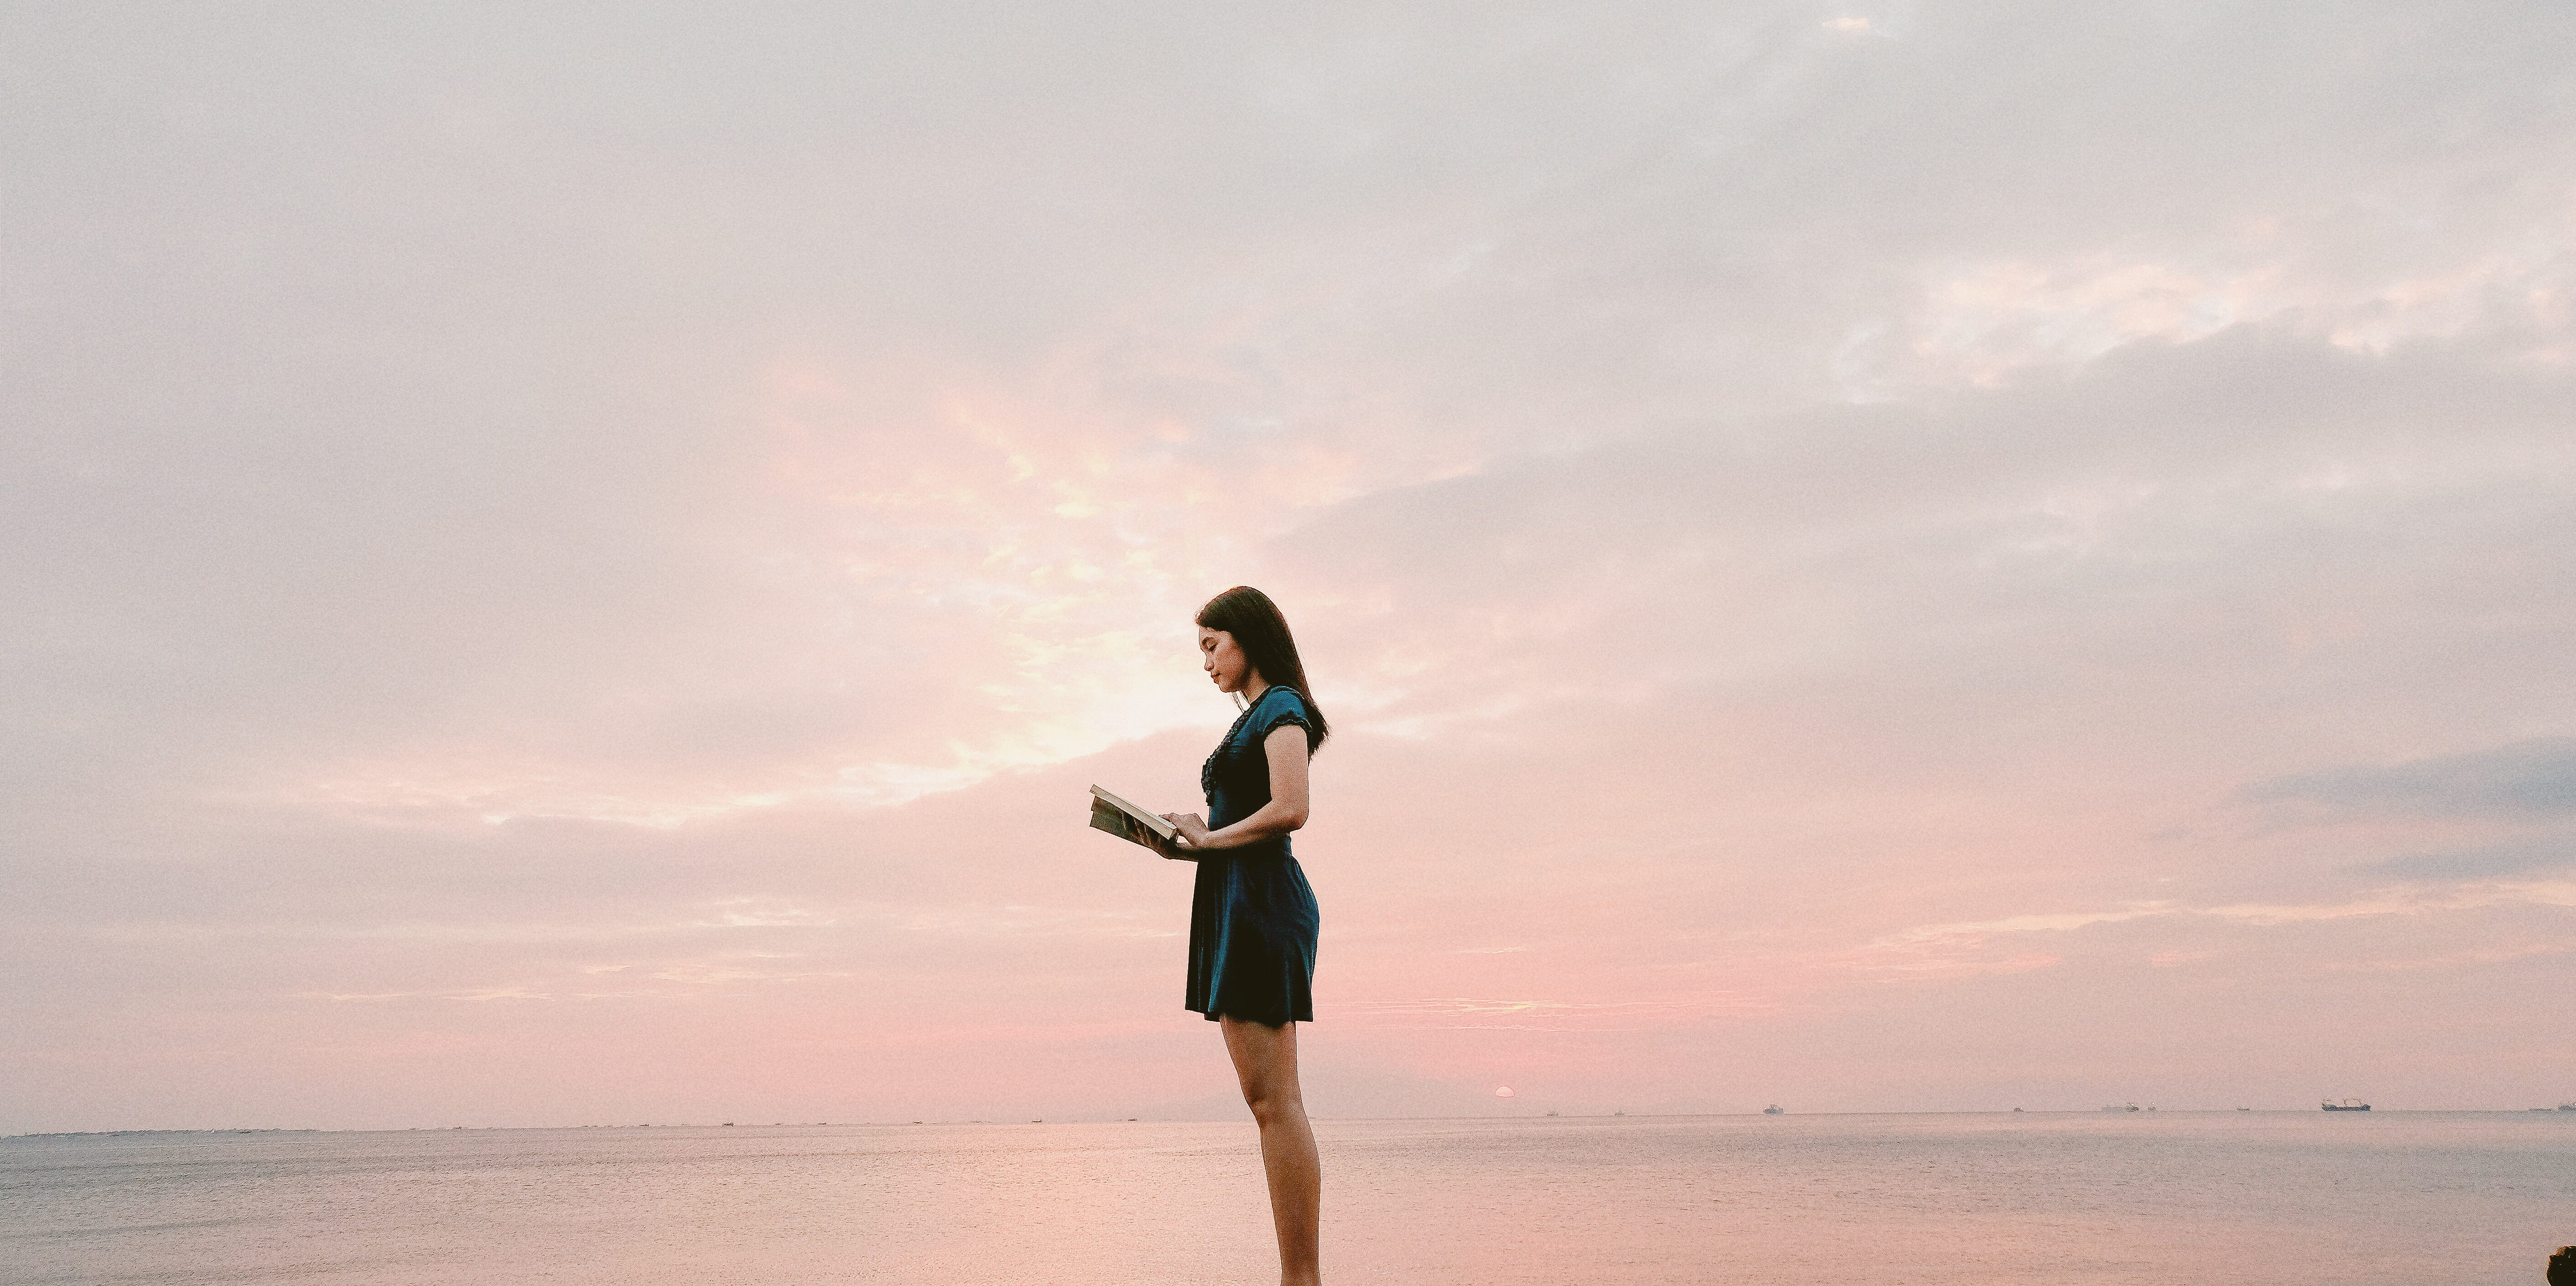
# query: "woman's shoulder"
1279,696
1279,706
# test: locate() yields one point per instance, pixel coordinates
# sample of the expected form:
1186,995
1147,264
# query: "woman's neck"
1253,688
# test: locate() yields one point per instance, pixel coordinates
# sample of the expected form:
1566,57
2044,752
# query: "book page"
1161,830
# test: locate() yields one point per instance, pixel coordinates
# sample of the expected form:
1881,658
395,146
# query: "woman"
1252,918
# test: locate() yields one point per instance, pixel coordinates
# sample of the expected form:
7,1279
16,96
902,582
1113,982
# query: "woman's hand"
1193,827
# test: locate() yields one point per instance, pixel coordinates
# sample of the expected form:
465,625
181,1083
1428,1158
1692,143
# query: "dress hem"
1213,1015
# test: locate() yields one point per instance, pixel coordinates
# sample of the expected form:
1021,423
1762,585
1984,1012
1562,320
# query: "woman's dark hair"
1262,633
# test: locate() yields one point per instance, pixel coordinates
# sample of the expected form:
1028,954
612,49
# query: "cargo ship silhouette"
2348,1105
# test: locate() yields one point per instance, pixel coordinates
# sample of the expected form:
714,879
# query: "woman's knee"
1269,1091
1269,1105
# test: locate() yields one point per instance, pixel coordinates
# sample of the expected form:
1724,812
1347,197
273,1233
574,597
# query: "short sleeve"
1281,707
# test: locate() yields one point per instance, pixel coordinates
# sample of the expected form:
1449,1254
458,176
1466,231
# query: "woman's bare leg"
1265,1060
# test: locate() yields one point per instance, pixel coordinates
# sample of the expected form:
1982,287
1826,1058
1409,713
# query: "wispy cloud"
2003,945
1458,1013
2525,778
2483,862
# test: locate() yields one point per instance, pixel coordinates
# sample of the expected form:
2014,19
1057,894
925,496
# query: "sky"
574,564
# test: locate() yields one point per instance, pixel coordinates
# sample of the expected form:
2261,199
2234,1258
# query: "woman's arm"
1286,749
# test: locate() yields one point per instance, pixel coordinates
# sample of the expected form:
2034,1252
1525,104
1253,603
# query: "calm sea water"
2206,1199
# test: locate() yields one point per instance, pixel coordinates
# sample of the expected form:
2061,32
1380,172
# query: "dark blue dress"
1252,918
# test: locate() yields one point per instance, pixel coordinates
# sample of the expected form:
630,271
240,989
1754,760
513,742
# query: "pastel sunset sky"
573,565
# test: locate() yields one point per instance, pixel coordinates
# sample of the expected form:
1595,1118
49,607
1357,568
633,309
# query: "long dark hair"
1262,632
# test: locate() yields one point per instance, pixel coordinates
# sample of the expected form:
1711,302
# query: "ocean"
2145,1199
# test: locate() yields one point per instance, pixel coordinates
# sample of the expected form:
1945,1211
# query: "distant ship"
1773,1110
2348,1105
2119,1107
2567,1107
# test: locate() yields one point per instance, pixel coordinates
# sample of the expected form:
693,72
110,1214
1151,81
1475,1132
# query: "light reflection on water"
2207,1199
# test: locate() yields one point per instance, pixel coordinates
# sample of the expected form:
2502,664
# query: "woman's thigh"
1265,1057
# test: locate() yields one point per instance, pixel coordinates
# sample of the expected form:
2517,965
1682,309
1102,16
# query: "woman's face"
1223,661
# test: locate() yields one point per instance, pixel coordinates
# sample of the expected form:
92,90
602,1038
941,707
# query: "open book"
1128,822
